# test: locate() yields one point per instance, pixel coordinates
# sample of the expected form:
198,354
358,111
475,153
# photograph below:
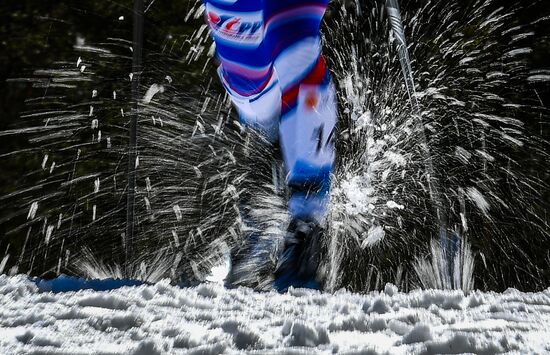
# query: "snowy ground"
209,319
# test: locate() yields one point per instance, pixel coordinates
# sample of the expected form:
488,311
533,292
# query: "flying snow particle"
44,161
395,158
32,210
152,91
539,78
78,62
394,205
121,18
177,212
205,105
462,154
516,52
212,49
147,204
49,232
94,93
176,238
3,263
197,172
465,60
82,68
485,155
375,235
232,191
513,140
364,120
96,185
478,198
464,221
94,210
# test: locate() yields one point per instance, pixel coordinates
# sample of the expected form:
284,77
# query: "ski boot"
298,263
248,264
242,254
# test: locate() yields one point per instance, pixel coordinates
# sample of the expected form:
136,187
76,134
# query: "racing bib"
237,28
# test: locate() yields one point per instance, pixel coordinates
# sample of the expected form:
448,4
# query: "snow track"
209,319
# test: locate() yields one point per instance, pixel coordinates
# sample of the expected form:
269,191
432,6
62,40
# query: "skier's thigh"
292,32
307,135
246,67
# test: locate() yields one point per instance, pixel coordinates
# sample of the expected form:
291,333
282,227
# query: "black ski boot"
239,272
298,263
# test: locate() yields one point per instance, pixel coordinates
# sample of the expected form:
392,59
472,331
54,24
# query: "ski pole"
394,15
137,46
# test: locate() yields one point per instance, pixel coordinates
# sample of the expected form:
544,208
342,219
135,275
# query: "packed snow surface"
209,319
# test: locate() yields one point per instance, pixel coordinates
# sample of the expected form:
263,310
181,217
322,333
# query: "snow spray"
476,89
449,245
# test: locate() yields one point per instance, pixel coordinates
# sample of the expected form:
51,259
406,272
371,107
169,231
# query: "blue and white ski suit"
272,67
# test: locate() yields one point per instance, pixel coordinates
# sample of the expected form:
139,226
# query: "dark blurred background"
38,35
34,34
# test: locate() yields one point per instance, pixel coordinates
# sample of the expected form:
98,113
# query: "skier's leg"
246,66
248,35
247,73
307,131
308,119
308,113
